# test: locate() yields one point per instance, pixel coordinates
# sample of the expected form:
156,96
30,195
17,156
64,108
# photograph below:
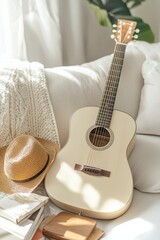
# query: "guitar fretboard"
109,95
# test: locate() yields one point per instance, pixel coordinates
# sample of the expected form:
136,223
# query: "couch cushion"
145,164
144,160
148,119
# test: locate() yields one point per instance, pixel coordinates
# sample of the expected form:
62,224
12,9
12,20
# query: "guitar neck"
109,95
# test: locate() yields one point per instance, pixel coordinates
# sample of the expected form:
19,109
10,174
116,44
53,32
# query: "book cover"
18,206
96,234
69,226
38,235
24,230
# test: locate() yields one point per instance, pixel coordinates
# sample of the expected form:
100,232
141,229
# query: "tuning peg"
135,36
114,25
114,31
137,30
112,36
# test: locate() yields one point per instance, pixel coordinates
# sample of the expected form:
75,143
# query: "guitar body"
91,174
94,195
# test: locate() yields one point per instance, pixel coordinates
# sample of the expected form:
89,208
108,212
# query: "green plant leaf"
118,9
133,3
112,6
101,15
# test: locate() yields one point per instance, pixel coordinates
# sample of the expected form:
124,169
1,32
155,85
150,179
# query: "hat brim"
9,186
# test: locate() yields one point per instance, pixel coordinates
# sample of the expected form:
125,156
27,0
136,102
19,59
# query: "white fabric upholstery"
73,87
140,222
144,160
148,119
145,163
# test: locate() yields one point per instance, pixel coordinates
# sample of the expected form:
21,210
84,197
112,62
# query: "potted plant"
109,11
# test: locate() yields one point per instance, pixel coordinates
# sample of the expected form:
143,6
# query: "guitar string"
110,96
96,133
119,53
97,140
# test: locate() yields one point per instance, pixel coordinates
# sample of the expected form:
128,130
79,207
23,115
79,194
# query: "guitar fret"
108,117
114,76
105,119
118,51
108,114
111,89
119,54
112,79
108,111
110,104
110,94
118,58
111,86
114,71
117,64
105,123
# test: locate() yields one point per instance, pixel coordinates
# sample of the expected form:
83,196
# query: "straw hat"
25,162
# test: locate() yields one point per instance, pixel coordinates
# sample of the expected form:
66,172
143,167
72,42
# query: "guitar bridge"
92,170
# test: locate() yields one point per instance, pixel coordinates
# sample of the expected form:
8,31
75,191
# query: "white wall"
149,11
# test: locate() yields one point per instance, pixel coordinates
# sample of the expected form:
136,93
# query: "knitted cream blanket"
25,106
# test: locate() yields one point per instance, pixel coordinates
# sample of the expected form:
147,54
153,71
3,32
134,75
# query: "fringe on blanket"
25,106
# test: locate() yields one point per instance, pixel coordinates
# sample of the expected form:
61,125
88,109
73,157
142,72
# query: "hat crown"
25,157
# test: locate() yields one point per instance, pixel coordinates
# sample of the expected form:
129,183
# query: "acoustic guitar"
91,175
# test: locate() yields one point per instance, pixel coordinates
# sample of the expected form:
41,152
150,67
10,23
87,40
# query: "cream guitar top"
91,174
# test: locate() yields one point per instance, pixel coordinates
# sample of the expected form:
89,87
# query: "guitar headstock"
125,31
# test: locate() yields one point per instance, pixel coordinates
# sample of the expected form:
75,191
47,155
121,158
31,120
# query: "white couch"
71,88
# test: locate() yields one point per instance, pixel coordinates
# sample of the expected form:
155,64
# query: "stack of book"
20,215
70,226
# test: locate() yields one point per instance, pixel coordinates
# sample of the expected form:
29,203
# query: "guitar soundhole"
99,136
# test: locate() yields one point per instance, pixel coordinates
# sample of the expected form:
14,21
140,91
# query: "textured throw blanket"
25,106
